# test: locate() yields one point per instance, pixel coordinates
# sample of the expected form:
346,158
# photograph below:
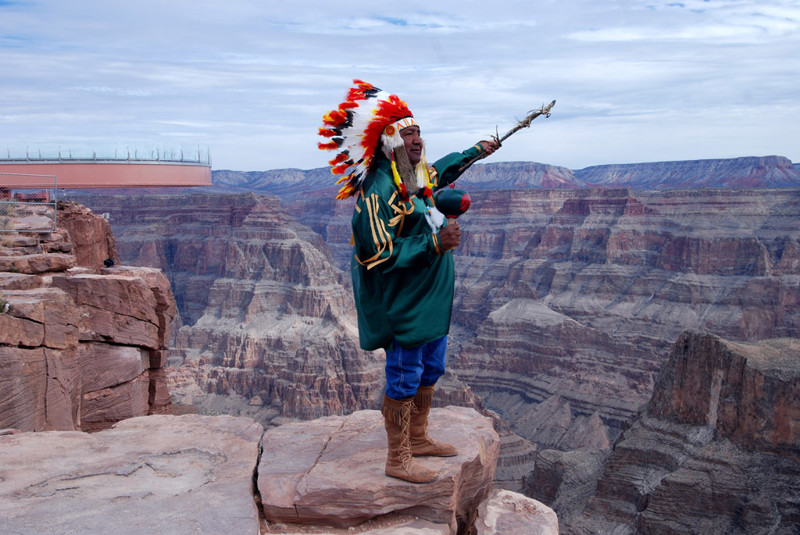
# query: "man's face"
413,142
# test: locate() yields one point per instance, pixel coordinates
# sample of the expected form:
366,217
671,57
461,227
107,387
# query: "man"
402,271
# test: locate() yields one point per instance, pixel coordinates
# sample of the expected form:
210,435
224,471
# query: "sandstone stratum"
716,449
82,345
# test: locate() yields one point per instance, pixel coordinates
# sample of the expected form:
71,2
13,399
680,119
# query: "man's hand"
450,236
489,146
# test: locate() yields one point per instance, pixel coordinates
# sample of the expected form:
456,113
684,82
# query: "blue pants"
408,368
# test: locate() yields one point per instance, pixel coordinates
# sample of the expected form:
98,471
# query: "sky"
248,81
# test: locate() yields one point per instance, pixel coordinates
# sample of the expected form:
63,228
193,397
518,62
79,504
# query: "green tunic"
402,282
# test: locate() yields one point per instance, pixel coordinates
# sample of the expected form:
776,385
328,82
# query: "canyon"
264,326
91,442
569,303
714,451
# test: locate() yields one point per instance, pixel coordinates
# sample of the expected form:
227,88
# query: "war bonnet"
368,116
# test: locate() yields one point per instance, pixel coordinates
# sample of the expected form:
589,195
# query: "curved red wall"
99,174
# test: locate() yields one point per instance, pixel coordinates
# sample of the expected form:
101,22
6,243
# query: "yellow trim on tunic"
380,236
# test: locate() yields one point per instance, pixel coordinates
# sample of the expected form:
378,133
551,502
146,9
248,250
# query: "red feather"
346,191
366,86
339,169
328,146
342,156
334,117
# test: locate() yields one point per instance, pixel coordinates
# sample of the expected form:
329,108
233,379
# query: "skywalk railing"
120,153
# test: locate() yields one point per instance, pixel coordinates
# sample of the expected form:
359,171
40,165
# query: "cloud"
252,80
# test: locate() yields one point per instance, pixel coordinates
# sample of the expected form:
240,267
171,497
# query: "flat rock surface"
508,512
335,474
154,474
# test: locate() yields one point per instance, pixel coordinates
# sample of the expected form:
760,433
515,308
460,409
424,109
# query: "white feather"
435,218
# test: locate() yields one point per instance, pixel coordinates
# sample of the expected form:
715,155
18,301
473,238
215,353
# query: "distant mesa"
122,169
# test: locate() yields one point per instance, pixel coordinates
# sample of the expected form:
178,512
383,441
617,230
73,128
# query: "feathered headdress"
367,116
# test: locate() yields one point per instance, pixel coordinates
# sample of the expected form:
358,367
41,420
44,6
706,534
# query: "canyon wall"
716,450
567,304
81,345
579,294
567,301
265,326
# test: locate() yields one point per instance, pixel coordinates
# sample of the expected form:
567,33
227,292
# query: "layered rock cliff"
266,327
567,302
81,345
581,294
716,450
578,295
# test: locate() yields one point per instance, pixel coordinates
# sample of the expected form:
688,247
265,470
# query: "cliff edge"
716,450
82,345
206,474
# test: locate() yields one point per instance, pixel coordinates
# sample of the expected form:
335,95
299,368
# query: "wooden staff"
524,123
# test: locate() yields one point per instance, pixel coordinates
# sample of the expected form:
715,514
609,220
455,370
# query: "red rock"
111,292
157,474
63,393
122,309
19,281
158,358
16,331
106,365
335,472
64,378
46,310
39,389
715,450
90,235
103,408
159,399
506,512
162,292
23,383
746,392
37,263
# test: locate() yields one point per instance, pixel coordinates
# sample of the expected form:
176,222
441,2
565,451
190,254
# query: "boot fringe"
392,410
424,398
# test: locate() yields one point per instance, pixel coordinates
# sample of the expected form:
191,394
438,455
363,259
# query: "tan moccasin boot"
399,462
421,443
